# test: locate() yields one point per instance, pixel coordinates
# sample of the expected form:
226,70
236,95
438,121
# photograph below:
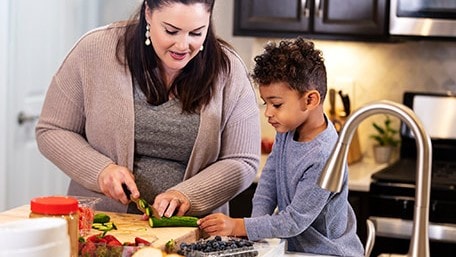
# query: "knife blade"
141,204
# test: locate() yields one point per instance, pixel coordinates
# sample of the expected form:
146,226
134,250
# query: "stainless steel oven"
435,18
392,191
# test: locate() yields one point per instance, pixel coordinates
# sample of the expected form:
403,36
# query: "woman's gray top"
164,138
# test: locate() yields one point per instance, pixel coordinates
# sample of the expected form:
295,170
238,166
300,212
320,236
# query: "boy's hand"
218,224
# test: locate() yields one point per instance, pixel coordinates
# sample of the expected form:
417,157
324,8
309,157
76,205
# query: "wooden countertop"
131,225
128,227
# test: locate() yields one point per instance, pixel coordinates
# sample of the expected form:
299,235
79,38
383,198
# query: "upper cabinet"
331,19
271,16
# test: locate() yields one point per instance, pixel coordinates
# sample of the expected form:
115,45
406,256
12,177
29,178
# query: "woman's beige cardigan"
87,122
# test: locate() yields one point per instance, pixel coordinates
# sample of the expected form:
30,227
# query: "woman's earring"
147,35
202,48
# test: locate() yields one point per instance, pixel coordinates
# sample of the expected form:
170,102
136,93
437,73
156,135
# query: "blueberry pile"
232,247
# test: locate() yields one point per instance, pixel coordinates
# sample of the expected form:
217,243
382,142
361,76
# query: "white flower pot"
382,154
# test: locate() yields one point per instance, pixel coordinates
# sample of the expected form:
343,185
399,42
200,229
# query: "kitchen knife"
346,102
332,102
141,204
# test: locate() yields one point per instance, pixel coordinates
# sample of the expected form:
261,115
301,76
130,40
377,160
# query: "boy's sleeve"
306,205
265,198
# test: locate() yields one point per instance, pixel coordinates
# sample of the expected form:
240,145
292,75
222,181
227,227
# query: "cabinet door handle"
305,8
318,8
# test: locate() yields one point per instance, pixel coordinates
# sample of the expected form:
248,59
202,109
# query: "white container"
39,237
61,248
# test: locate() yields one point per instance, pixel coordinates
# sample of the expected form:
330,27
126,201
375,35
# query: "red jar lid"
54,205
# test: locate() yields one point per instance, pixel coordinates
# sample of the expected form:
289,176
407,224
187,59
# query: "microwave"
427,18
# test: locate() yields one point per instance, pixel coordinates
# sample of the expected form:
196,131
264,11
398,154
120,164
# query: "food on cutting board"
103,245
101,218
155,252
102,222
108,226
218,247
173,221
100,245
156,221
170,246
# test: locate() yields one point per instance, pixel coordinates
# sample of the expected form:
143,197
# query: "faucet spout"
332,175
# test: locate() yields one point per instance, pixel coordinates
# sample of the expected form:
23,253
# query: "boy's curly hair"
296,62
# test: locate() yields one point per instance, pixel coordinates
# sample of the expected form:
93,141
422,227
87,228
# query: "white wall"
113,10
223,20
247,47
3,92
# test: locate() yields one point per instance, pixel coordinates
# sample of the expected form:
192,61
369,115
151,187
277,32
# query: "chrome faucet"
332,175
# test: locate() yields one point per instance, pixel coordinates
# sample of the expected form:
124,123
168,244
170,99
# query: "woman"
158,104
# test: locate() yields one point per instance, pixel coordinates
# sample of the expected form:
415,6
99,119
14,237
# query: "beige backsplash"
368,71
374,71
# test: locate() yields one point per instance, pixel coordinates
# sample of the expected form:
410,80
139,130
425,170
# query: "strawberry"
114,243
111,238
94,238
100,239
129,244
140,241
88,249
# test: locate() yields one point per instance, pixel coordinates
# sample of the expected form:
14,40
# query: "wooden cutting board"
129,226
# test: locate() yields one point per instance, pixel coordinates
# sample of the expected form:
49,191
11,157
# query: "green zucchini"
142,204
101,218
108,226
173,221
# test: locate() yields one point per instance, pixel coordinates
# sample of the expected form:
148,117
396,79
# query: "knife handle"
346,102
126,191
332,101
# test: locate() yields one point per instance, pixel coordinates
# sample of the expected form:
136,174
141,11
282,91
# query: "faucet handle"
370,238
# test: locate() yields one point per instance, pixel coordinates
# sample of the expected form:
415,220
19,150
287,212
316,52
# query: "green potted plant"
386,140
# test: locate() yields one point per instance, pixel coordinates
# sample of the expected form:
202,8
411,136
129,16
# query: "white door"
39,35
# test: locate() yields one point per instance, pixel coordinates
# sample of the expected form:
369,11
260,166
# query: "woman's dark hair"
194,84
295,62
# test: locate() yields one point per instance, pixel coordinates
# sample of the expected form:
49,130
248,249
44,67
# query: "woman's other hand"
169,202
111,179
222,225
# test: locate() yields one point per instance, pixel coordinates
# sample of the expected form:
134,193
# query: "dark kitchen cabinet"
241,205
270,16
332,19
360,204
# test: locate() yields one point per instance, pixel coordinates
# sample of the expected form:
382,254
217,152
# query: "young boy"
292,83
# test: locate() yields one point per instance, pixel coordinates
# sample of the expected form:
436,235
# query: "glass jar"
59,206
86,213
